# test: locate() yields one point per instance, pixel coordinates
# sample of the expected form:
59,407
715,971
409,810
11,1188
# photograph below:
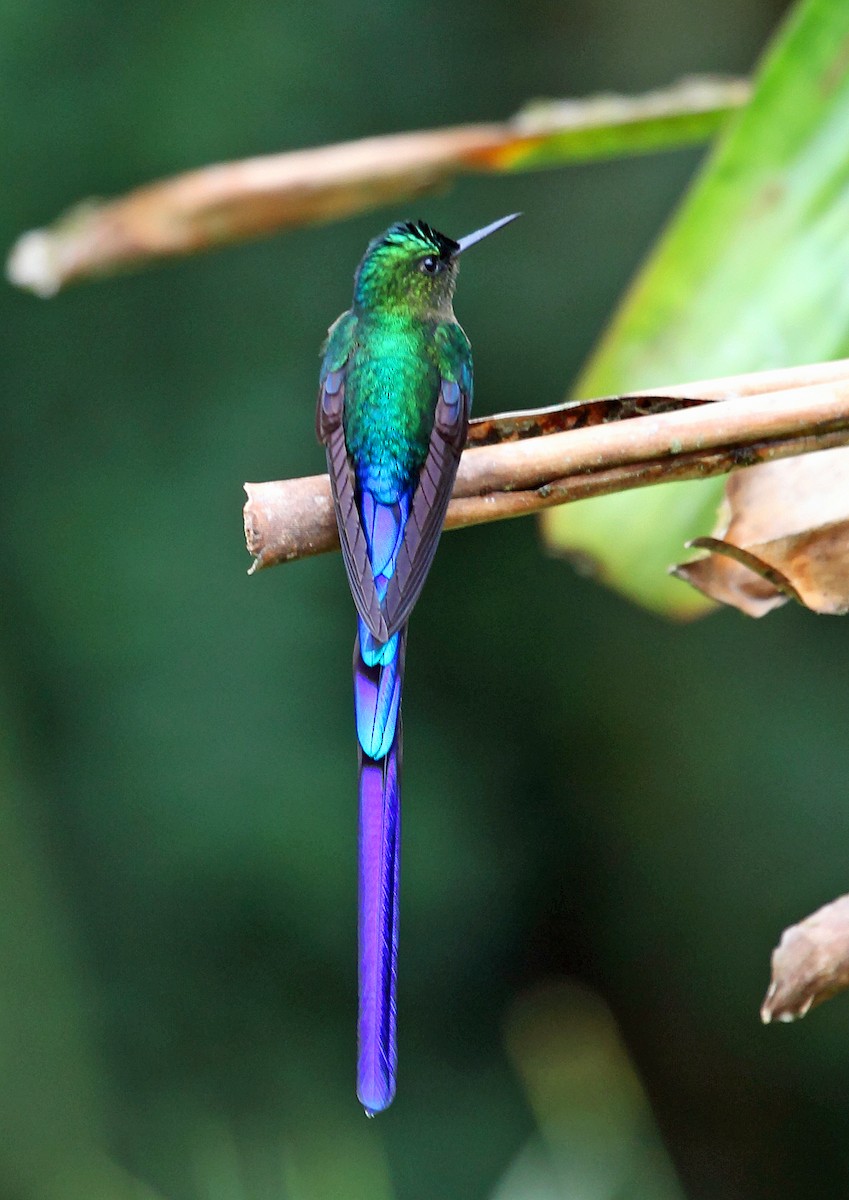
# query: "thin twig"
753,418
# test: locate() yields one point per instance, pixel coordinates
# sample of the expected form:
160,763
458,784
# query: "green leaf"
750,274
549,133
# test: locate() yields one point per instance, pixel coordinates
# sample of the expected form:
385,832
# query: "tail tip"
377,1100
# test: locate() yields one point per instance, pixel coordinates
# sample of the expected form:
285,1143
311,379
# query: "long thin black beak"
480,234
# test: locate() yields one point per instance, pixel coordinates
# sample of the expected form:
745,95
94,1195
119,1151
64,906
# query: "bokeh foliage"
590,793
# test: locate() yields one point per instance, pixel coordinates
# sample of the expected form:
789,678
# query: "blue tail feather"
373,651
378,676
380,836
377,695
383,524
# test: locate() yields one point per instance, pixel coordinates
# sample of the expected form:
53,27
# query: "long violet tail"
378,675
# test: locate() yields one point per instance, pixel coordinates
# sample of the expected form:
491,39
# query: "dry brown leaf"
783,533
810,964
229,202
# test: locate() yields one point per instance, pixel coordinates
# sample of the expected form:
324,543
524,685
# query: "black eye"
431,265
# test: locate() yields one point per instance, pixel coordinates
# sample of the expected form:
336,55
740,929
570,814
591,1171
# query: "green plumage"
398,342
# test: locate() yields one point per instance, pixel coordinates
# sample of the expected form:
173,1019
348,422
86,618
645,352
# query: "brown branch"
753,418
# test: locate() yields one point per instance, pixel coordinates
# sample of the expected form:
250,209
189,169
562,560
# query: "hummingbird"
395,392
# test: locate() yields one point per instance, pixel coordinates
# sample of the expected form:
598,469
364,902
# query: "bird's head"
413,268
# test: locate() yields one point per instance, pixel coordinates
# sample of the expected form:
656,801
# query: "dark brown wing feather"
430,501
331,431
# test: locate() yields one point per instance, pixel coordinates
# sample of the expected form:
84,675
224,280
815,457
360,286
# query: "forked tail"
378,676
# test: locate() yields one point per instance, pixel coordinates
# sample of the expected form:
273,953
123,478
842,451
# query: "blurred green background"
608,818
